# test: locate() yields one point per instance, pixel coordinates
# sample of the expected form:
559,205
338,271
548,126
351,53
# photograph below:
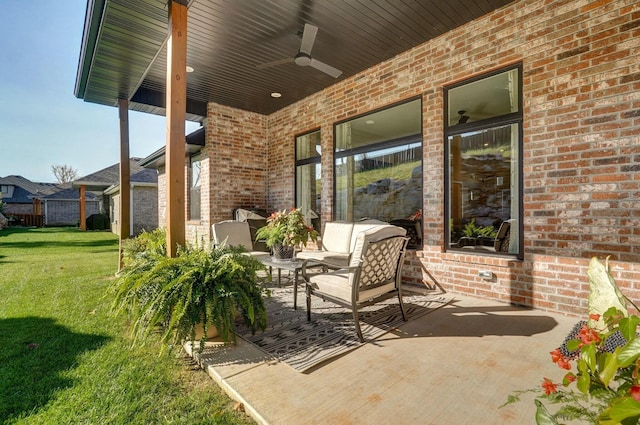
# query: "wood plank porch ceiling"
123,53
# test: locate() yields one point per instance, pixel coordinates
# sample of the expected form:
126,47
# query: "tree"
64,173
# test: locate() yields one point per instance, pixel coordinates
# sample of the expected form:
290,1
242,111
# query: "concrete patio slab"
455,365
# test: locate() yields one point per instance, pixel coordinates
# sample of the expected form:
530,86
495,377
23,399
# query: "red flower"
588,335
549,387
560,360
635,392
594,316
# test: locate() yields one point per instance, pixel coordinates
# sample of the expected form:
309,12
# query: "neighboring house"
21,195
143,202
57,203
62,208
526,115
144,195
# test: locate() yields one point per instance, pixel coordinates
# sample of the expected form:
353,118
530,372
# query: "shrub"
200,285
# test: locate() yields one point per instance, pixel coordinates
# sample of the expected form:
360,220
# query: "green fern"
199,285
471,230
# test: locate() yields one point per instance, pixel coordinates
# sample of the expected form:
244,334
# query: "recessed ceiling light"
276,94
189,68
370,122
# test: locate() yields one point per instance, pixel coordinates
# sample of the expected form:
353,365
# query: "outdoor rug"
290,338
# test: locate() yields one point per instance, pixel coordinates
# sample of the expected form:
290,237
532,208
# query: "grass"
64,358
397,172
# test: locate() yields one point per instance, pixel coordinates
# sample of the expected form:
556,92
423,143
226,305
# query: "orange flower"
594,316
588,335
549,387
560,360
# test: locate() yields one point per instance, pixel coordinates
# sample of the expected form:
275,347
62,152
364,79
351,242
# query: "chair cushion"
235,233
337,284
337,236
360,227
373,234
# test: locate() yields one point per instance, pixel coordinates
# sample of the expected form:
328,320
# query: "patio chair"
234,233
373,274
503,237
257,218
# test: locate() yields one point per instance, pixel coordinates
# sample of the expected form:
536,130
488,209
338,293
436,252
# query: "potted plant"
601,360
284,231
474,234
199,288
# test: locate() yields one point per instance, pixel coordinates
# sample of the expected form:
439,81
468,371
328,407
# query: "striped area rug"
290,338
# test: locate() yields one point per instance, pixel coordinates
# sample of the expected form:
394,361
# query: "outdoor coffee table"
293,265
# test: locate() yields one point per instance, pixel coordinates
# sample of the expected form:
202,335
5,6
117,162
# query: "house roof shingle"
107,177
25,190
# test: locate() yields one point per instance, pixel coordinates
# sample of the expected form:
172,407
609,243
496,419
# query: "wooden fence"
30,220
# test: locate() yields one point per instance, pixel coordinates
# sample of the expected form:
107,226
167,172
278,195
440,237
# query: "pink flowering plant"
286,227
602,360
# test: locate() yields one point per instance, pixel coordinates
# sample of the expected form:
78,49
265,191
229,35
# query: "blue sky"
42,123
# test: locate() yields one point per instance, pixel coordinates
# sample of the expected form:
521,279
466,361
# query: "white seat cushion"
337,237
337,284
361,226
233,233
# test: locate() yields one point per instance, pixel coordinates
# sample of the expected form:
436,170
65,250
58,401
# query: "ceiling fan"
303,57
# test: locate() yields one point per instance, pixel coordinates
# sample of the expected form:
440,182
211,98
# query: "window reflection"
378,168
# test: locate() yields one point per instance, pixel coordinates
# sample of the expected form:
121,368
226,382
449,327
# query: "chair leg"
404,314
356,319
308,291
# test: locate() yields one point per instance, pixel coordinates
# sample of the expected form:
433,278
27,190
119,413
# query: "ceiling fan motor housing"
302,59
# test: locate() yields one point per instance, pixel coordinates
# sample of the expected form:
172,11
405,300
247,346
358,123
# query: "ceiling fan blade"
327,69
274,63
308,38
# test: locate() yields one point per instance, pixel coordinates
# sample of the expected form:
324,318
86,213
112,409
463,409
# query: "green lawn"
64,359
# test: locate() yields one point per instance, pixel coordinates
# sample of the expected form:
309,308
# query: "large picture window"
483,170
308,177
378,168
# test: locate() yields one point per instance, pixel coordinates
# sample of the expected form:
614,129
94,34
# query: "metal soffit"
242,50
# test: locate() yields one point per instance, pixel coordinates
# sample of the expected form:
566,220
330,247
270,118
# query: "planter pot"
212,332
283,252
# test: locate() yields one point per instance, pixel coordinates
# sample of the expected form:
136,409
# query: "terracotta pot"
212,331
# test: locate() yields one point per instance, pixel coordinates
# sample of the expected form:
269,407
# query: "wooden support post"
83,209
37,206
124,214
176,115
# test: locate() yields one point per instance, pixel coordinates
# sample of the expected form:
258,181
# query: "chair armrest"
311,263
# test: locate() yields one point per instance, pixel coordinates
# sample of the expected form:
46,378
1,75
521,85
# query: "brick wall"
581,72
145,211
15,208
233,170
236,165
67,212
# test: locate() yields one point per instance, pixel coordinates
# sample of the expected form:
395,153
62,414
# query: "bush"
199,285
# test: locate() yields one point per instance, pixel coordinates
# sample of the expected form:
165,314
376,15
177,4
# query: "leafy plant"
2,206
286,227
605,350
208,286
471,230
